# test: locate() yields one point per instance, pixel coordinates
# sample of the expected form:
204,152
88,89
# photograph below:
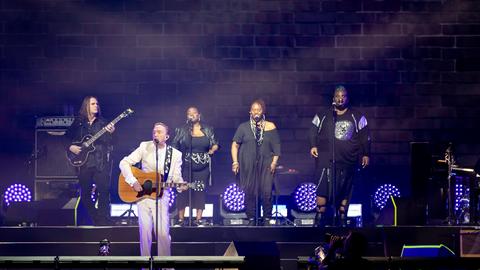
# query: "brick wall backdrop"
411,66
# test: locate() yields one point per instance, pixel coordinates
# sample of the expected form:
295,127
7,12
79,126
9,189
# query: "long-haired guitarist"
96,167
170,166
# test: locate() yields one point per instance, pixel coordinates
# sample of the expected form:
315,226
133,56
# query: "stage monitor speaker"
20,214
470,243
62,212
427,251
258,255
58,212
55,188
50,156
402,211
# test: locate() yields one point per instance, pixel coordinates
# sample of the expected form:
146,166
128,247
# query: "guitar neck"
103,130
171,184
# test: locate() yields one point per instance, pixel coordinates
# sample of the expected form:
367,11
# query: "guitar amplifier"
54,121
470,243
50,154
49,189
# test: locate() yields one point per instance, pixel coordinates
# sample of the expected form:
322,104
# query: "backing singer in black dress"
255,152
204,144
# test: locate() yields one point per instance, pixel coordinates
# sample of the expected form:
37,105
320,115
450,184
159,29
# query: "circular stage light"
173,196
304,196
17,193
234,198
383,193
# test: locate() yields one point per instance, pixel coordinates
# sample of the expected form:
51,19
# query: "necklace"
258,130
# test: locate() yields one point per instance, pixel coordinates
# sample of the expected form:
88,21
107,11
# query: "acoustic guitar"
148,183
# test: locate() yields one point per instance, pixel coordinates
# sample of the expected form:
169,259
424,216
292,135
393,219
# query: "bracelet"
235,163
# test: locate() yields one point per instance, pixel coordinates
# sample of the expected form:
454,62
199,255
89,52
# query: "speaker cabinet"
402,211
421,166
56,212
470,243
427,251
55,188
258,255
50,155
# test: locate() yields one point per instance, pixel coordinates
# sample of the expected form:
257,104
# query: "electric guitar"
86,143
148,183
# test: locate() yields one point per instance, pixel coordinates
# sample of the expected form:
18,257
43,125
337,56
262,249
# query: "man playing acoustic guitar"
169,166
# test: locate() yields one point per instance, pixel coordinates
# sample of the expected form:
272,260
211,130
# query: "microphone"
334,103
257,118
156,141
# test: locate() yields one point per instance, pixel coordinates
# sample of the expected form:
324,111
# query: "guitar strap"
168,162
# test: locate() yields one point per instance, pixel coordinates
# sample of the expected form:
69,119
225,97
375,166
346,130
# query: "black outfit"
200,165
352,142
95,170
255,158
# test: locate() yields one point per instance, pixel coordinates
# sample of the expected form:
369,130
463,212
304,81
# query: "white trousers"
146,225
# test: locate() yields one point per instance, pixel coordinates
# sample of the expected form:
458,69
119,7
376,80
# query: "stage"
292,242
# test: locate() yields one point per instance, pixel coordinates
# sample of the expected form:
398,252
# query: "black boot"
342,219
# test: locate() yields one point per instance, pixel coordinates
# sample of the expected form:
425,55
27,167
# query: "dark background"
411,66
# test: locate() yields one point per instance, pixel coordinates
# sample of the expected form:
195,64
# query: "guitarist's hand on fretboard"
182,187
137,187
75,149
110,128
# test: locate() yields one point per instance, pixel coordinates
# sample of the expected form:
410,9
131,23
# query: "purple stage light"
17,193
462,197
93,193
304,196
173,196
383,193
234,198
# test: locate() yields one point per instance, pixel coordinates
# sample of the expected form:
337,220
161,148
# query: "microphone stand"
333,174
257,178
190,210
451,219
257,172
159,193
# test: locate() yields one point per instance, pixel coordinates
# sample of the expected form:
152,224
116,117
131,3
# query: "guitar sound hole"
147,187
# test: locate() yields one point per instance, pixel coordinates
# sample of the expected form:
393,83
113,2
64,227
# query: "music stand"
276,213
128,213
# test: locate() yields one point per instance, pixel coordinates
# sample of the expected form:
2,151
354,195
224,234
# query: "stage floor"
292,241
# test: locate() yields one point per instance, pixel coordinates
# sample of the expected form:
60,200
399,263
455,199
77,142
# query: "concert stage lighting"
171,201
383,193
232,207
17,193
104,249
93,193
462,203
354,215
304,198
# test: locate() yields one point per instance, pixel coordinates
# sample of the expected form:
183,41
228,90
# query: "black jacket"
352,138
80,128
182,134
